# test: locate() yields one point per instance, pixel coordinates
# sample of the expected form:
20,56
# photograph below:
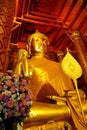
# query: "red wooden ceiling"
57,19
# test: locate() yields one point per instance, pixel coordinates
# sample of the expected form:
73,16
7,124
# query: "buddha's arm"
22,65
18,68
25,67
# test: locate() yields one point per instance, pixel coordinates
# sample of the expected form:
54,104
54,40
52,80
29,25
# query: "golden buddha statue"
47,81
47,76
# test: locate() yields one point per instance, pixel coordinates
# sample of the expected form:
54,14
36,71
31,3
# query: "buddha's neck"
39,55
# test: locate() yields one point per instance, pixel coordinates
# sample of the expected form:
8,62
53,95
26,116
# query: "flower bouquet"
15,98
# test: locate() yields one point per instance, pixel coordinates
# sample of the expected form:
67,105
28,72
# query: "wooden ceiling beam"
15,27
34,13
52,36
33,17
64,44
24,7
18,8
21,19
66,10
84,36
80,19
74,13
83,28
59,35
58,8
58,42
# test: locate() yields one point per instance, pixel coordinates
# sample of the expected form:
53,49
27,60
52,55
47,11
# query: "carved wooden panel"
6,18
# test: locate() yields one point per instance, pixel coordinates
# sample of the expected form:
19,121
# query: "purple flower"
20,104
5,98
24,82
27,97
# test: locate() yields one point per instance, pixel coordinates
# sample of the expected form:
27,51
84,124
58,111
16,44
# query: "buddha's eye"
36,39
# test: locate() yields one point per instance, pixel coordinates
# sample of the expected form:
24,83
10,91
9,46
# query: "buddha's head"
38,43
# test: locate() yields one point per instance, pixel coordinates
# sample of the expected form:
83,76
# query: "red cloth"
21,45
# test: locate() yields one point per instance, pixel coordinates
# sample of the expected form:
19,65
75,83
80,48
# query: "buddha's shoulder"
43,62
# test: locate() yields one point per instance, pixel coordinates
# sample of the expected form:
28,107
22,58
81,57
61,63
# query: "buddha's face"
39,45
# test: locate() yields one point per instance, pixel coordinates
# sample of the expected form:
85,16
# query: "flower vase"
10,124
